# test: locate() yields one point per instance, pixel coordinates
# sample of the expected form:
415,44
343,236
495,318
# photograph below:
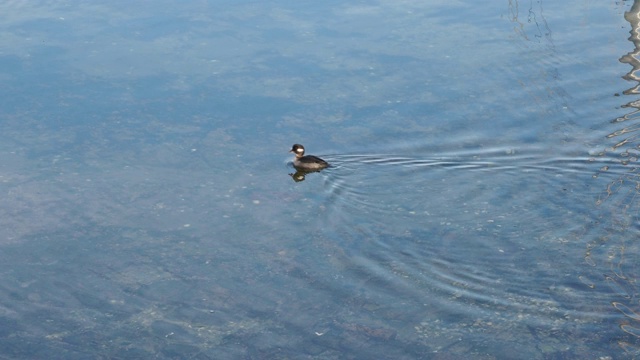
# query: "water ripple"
483,234
491,160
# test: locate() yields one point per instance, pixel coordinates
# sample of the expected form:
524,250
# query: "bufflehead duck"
309,162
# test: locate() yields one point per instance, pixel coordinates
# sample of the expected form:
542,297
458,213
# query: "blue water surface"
481,203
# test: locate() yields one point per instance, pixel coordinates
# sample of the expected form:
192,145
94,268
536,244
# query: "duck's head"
298,150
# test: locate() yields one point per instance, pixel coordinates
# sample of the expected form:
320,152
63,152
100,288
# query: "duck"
306,162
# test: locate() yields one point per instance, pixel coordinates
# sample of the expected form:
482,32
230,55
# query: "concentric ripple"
467,238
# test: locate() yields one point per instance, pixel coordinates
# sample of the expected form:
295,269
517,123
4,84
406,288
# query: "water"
482,199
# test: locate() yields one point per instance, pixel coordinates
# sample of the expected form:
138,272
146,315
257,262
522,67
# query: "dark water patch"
174,308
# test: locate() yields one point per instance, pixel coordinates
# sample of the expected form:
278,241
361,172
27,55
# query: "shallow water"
481,203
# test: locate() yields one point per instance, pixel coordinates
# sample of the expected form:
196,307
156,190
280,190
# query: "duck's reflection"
299,175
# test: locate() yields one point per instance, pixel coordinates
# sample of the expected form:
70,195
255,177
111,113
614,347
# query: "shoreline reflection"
608,248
